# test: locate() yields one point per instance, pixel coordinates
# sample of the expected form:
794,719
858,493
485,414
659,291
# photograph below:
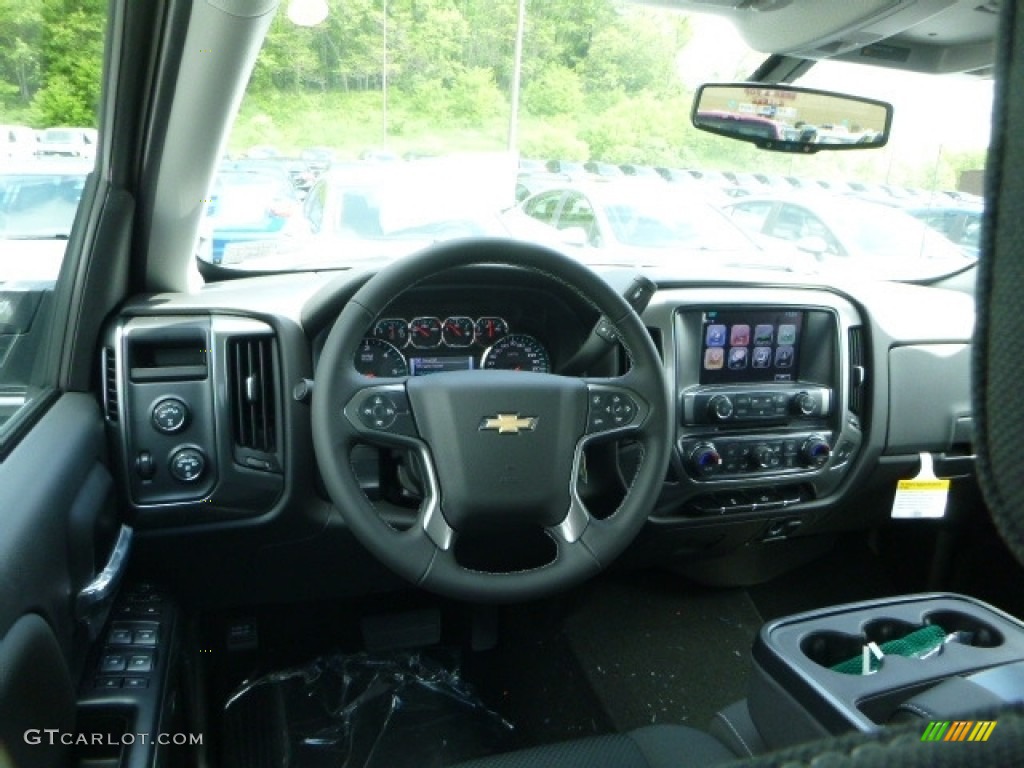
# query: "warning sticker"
923,497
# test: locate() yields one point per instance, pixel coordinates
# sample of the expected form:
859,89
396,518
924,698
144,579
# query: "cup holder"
972,631
844,653
830,648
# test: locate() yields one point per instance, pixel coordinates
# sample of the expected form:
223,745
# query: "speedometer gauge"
377,358
518,352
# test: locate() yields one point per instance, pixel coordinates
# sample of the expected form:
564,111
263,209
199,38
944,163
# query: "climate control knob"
705,459
720,407
815,452
803,404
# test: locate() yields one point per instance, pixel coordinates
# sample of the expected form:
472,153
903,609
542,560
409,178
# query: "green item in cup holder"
919,643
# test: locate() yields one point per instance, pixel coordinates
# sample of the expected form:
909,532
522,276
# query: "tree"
71,61
20,32
556,91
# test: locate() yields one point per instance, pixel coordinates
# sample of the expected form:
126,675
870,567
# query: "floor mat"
534,680
657,649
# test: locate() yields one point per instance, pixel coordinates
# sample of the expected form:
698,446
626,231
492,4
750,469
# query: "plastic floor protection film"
401,710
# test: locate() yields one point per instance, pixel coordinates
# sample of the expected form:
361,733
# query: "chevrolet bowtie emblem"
510,423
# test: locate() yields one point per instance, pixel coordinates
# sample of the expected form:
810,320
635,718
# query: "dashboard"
792,404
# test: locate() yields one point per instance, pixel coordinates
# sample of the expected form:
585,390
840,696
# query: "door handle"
93,601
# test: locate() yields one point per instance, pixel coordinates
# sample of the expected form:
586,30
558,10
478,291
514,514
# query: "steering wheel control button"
170,415
606,330
383,410
187,465
610,410
378,412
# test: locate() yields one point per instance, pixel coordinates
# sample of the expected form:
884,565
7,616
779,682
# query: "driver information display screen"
421,366
741,346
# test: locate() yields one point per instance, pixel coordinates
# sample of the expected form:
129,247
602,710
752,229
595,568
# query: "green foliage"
475,96
556,91
20,33
553,138
71,46
636,53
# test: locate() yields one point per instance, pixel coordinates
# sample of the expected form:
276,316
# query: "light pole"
517,73
384,77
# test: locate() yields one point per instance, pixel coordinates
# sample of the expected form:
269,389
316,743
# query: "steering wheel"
495,446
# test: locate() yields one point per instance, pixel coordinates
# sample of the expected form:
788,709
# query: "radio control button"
721,407
804,404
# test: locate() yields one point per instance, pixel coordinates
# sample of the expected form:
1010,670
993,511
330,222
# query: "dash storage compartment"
849,667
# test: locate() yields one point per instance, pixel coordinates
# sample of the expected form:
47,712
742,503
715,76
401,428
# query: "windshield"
890,233
671,221
378,111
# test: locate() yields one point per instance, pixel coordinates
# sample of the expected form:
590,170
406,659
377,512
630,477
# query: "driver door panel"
57,503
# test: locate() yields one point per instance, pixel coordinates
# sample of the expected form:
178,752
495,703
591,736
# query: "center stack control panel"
762,396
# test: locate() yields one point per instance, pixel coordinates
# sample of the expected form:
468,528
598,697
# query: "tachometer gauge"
490,329
457,331
393,330
377,358
518,352
425,332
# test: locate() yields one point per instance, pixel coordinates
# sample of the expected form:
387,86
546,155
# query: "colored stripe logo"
959,730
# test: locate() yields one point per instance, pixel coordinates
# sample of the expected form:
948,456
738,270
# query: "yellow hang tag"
923,497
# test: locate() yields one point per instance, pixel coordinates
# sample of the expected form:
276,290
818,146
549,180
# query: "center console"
858,667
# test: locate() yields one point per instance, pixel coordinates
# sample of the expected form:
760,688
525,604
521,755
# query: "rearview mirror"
785,118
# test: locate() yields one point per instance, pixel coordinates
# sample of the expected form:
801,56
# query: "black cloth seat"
654,746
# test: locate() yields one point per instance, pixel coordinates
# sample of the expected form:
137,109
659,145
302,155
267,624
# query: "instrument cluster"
428,344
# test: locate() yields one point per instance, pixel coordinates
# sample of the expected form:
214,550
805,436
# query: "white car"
17,142
68,142
639,222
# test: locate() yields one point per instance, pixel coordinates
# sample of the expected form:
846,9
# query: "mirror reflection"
790,119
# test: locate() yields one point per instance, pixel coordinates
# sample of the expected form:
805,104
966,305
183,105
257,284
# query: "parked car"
38,202
67,142
17,142
848,233
961,223
248,204
635,221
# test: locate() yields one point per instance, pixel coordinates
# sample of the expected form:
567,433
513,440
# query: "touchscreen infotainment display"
750,346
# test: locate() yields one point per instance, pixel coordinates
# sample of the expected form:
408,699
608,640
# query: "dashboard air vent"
110,393
253,393
858,373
